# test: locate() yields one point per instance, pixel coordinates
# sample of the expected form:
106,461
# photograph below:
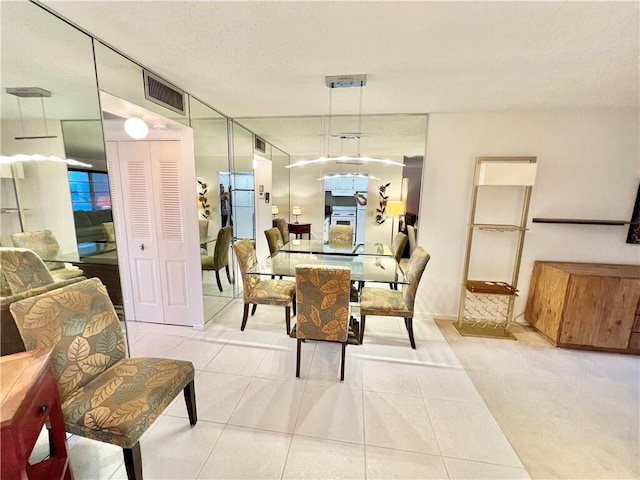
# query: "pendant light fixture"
41,93
344,81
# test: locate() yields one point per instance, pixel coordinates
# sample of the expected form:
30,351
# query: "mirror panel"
280,183
242,183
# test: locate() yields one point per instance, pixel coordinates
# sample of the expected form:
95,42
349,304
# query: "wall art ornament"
381,216
204,209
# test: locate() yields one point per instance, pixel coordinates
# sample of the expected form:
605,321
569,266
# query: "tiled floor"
400,413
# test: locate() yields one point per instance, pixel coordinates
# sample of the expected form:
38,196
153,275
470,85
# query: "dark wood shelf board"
582,221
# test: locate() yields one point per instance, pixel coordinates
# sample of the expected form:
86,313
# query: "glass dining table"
316,246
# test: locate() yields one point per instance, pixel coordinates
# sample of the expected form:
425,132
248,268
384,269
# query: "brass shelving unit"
486,306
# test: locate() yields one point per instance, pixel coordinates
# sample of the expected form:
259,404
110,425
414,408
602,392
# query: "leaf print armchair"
105,396
258,291
340,235
45,244
323,295
394,303
220,256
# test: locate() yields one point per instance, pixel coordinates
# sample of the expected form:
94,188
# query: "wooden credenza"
586,305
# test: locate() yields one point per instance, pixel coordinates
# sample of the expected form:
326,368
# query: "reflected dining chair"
340,235
203,227
105,396
282,225
397,247
323,294
394,303
274,239
258,291
220,256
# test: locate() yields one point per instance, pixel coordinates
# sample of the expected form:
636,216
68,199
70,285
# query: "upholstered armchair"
282,225
340,235
394,303
259,291
220,256
105,396
45,244
323,294
22,274
397,247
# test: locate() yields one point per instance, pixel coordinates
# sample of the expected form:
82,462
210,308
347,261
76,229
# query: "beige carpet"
567,413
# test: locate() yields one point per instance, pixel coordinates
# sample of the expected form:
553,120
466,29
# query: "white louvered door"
142,243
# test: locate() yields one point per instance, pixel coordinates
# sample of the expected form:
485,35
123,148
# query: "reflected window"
89,190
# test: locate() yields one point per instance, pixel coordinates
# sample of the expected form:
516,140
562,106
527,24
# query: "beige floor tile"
384,463
323,459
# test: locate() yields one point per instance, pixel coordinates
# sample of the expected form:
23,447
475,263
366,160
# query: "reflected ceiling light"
136,127
23,157
344,81
349,175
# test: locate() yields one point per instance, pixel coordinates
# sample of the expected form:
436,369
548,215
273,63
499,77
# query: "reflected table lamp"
395,208
275,211
297,211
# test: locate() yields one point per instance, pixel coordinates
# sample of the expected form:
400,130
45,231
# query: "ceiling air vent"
163,93
261,145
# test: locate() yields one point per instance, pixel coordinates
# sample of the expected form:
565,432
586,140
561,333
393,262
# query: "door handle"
142,247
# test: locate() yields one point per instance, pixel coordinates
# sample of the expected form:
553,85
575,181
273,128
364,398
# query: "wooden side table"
28,397
299,229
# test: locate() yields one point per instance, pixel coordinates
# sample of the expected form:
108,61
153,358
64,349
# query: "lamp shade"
275,210
395,208
296,211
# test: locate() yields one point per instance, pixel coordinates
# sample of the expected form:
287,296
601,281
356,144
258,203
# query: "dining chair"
340,235
220,256
259,291
274,239
397,247
411,233
322,294
203,227
105,396
394,303
282,225
45,244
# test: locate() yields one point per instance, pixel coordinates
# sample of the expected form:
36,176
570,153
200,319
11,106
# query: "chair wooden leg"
362,320
287,318
244,316
298,358
190,400
218,280
294,305
226,268
344,349
409,322
52,445
253,310
133,462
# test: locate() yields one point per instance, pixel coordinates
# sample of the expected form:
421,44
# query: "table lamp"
395,208
297,212
275,211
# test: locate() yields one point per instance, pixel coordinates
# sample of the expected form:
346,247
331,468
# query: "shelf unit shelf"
581,221
486,306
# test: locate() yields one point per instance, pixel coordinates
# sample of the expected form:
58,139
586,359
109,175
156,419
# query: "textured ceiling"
270,58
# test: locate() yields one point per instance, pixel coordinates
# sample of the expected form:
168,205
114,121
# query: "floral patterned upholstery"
274,239
393,303
258,291
340,235
283,226
398,244
23,269
104,395
44,243
323,293
109,234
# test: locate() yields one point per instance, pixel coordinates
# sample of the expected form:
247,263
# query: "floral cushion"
44,243
23,269
340,235
122,402
323,295
104,395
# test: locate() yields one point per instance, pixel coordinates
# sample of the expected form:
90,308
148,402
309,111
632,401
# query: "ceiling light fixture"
136,127
350,175
344,81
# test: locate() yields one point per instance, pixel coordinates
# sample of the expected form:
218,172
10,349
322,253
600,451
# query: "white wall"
588,167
